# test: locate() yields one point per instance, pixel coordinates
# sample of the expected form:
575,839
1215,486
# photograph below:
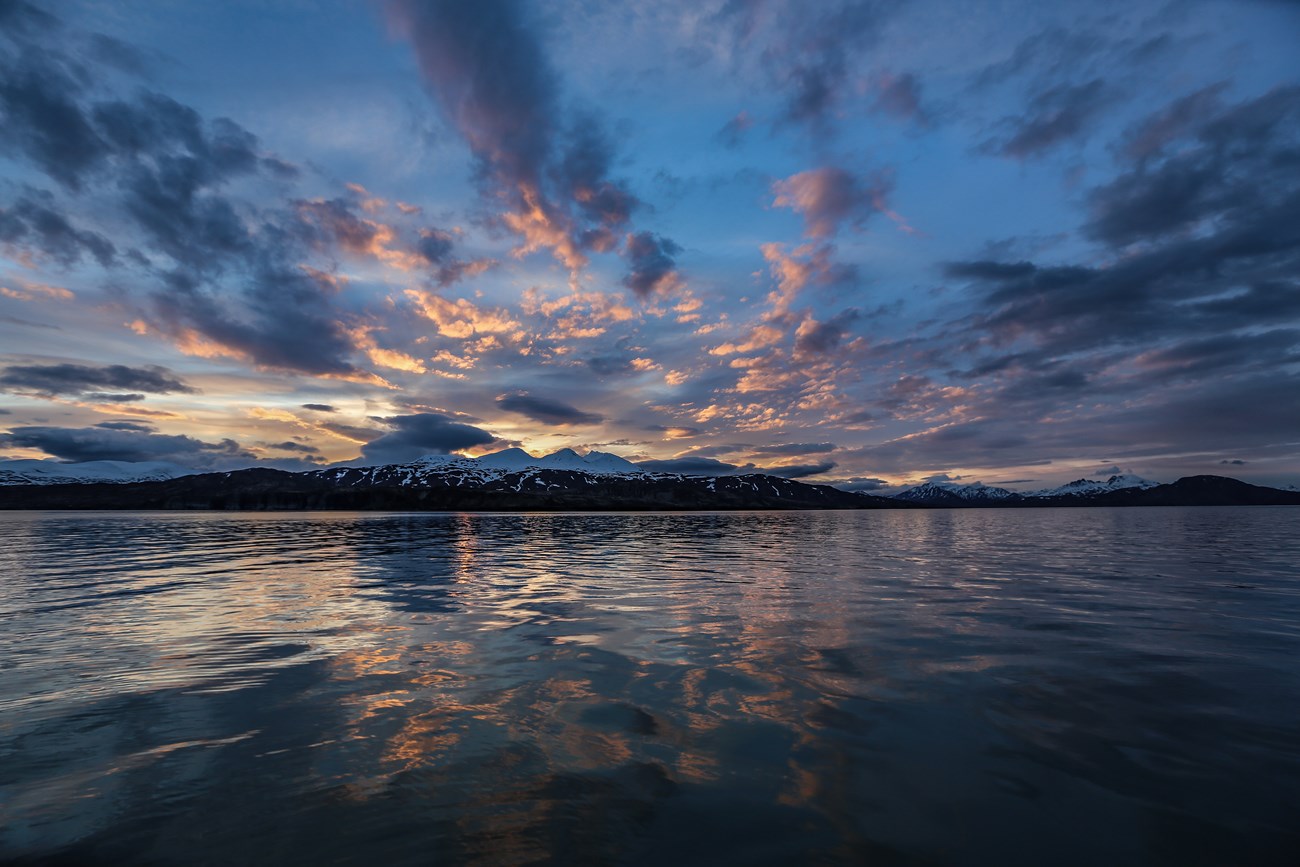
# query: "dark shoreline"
565,491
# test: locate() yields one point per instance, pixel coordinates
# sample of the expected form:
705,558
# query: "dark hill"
532,490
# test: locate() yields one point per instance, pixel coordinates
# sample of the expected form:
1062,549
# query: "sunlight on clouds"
35,291
460,318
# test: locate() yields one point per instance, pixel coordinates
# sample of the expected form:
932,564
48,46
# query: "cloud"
829,197
289,446
118,444
319,407
421,434
1235,463
732,134
35,223
140,427
51,380
219,282
652,263
800,471
693,466
794,449
435,246
547,169
899,96
861,483
1053,117
1230,158
546,410
820,338
806,52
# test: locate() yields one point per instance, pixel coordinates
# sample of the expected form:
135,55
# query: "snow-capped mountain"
462,470
35,472
938,492
951,494
564,459
1089,487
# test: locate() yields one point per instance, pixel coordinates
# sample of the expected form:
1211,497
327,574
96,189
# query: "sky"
866,243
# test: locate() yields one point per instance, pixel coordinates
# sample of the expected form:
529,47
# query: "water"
936,687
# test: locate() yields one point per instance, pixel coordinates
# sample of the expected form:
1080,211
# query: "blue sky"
858,242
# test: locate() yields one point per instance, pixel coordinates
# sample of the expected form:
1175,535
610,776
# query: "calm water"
947,687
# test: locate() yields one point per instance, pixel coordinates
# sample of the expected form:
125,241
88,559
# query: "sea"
921,687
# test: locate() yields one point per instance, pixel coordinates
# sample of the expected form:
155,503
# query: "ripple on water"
1010,687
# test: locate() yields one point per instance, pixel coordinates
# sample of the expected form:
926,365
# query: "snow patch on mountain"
37,472
1089,487
976,492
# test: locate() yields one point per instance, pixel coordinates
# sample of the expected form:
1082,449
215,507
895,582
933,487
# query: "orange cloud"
35,291
460,318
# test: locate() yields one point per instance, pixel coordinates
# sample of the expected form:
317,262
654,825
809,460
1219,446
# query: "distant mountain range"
979,494
513,480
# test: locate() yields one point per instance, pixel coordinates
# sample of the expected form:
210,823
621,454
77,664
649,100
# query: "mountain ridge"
459,485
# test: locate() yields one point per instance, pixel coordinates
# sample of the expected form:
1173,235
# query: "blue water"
922,687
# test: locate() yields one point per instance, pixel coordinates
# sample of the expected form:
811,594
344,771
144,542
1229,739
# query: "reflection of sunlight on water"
507,687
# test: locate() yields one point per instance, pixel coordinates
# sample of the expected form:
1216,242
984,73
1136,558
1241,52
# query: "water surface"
915,687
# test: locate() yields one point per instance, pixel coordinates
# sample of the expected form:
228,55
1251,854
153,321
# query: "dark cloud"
795,449
100,444
899,96
1229,159
1238,274
319,407
119,55
32,221
806,52
140,427
583,173
489,74
282,319
652,263
290,446
1152,135
732,134
693,466
609,365
830,197
110,397
221,274
50,380
546,410
436,246
41,118
330,223
421,434
1235,463
800,471
1056,115
699,465
820,338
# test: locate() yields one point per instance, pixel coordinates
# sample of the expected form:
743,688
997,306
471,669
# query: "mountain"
949,494
513,480
34,472
445,485
1092,487
1195,491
